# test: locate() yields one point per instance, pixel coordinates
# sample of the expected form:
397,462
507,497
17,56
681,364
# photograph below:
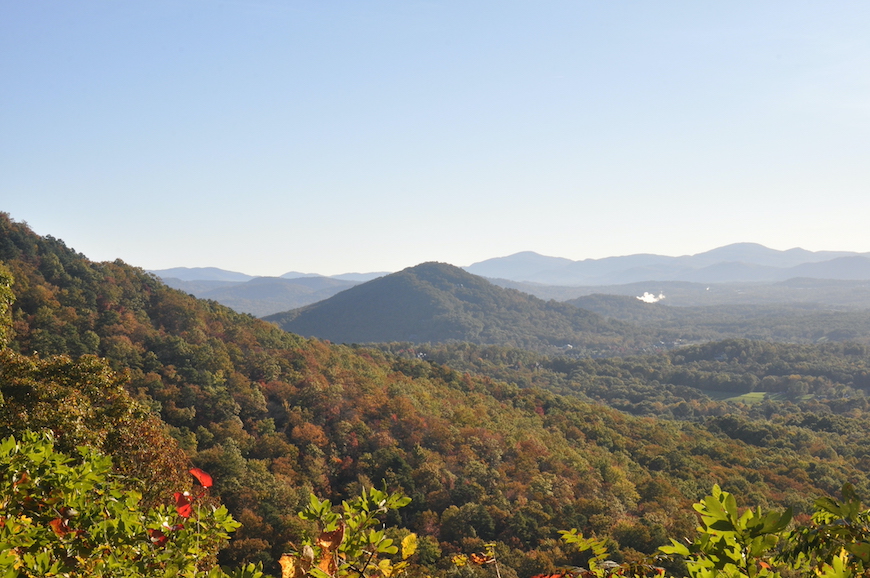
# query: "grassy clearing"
754,396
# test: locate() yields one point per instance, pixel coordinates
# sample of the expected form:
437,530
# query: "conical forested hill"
436,302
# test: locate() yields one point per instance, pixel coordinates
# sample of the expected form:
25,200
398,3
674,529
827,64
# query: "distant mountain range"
259,296
738,273
436,302
215,274
737,263
357,277
201,274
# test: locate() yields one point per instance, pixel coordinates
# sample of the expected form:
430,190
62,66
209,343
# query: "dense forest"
493,445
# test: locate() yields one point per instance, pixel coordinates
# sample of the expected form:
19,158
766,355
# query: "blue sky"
266,136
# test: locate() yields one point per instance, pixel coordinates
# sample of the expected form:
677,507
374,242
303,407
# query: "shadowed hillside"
436,302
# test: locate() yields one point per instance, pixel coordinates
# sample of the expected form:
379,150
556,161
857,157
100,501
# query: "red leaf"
60,527
157,537
203,478
182,505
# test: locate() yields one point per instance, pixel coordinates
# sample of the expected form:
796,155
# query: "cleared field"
754,396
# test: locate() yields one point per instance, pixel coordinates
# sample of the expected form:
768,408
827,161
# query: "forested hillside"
821,387
509,458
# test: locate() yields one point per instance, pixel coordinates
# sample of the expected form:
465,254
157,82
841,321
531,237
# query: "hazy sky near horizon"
266,136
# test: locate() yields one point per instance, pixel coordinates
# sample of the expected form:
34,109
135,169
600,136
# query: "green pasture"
753,397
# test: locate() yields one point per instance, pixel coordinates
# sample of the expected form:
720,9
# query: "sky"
267,136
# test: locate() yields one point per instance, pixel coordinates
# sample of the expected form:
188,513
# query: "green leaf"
722,526
675,548
861,550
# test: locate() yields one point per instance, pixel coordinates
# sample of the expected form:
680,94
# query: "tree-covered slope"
436,302
273,416
683,383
